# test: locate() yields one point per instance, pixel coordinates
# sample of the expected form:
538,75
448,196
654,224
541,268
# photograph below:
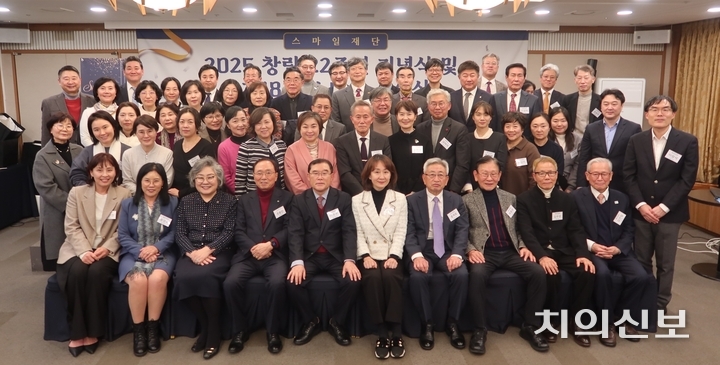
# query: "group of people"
368,185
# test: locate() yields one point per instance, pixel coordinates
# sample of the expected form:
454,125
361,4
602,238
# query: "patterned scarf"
148,234
165,139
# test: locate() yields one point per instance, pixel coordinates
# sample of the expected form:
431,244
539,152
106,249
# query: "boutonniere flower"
134,216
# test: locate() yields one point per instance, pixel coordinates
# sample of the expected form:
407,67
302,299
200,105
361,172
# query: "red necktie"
513,106
489,91
358,93
321,210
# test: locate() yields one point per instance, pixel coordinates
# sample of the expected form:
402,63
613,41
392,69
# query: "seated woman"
310,147
517,177
188,151
205,230
213,126
263,143
191,94
258,96
125,115
105,131
483,142
229,94
106,92
87,262
147,94
409,148
544,139
237,122
569,140
147,236
147,151
170,87
166,115
381,218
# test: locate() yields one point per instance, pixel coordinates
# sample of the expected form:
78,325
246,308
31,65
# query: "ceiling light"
714,10
474,4
324,15
485,11
5,10
399,11
249,10
98,9
542,12
165,4
325,6
624,12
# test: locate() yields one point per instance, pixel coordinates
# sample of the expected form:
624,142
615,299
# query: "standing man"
133,72
251,73
208,76
293,101
550,97
357,90
468,94
330,129
583,105
660,169
307,64
384,74
514,99
490,67
70,101
338,77
434,69
405,78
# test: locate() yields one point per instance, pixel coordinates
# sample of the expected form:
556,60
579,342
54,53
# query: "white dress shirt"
483,85
517,101
595,193
658,145
472,98
431,207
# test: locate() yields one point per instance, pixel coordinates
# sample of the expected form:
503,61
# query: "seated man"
551,229
495,244
610,233
437,236
262,250
323,239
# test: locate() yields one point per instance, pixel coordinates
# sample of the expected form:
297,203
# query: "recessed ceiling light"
98,9
485,11
714,10
249,10
325,6
624,12
324,15
399,11
5,10
542,12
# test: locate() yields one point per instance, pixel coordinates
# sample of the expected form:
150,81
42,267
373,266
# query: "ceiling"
357,14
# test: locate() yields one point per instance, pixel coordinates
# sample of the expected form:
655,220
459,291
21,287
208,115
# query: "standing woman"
262,144
258,95
147,151
307,149
544,139
518,175
188,151
229,94
148,96
409,149
147,236
484,142
569,140
87,262
105,131
191,94
105,91
167,116
51,175
237,122
205,230
381,219
126,114
171,91
213,126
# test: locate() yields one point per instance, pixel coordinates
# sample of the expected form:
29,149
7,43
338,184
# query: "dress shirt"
471,100
517,101
354,91
658,145
609,133
131,94
367,142
431,206
595,193
484,82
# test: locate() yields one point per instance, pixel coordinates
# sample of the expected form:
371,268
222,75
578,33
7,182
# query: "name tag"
554,105
165,221
112,215
335,213
193,161
619,218
596,113
273,148
520,162
673,156
525,110
445,143
419,112
376,152
279,212
573,154
417,149
557,216
488,153
510,211
301,113
453,215
388,211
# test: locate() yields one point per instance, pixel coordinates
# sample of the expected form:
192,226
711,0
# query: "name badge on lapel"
525,110
673,156
619,218
510,211
596,113
388,211
376,152
335,213
520,162
453,215
557,216
554,105
164,220
417,149
488,153
113,215
445,143
273,148
279,212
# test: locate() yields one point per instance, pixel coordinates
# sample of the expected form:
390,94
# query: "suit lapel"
377,220
330,205
589,208
53,158
503,101
312,207
349,93
110,204
255,204
443,134
274,204
423,208
60,102
647,145
482,207
670,145
89,205
446,210
618,134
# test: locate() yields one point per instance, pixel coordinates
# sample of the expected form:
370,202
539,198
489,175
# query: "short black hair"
167,80
250,66
291,69
195,114
132,59
515,65
384,65
144,85
102,159
434,62
337,64
206,67
101,114
174,108
487,159
68,68
268,159
60,117
306,57
321,96
614,92
404,68
318,161
102,81
512,117
658,99
127,104
144,170
209,108
467,65
146,121
527,84
232,111
221,90
186,87
487,107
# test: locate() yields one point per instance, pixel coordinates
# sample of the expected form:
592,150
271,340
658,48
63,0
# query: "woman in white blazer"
381,219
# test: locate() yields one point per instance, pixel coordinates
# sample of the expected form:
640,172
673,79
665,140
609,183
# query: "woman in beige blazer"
309,147
88,259
381,219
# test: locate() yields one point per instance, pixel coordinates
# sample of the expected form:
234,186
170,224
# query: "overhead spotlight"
399,11
249,10
325,6
542,12
324,15
624,12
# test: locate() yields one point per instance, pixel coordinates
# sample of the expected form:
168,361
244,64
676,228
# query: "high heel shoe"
91,348
76,351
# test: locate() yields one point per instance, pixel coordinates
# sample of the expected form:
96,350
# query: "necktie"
466,104
438,240
363,151
601,198
546,102
489,91
358,93
513,106
321,210
132,95
207,98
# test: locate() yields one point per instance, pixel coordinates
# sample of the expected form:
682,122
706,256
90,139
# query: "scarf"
165,139
115,149
110,109
148,234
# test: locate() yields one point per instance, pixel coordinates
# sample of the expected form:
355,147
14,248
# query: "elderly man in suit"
550,97
447,137
262,242
405,77
70,101
353,149
514,99
133,71
605,214
468,95
331,130
355,91
307,64
584,104
490,65
495,243
293,101
437,238
322,239
607,138
434,69
661,165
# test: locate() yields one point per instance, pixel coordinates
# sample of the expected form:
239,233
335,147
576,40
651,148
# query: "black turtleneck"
239,140
378,198
64,151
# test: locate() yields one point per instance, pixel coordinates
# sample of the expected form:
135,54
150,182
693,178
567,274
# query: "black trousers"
531,272
317,264
274,269
86,288
420,286
583,284
383,292
636,281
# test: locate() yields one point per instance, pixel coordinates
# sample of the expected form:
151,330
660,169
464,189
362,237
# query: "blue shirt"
609,134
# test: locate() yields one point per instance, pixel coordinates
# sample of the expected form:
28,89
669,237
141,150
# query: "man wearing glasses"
434,70
338,77
550,97
307,64
293,102
583,105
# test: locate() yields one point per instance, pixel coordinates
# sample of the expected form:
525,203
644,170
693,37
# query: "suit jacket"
479,231
282,104
457,112
425,90
419,100
418,228
623,234
500,107
56,104
307,230
341,103
455,133
297,160
570,103
500,86
668,184
249,229
123,94
349,164
380,235
593,145
80,222
332,130
555,97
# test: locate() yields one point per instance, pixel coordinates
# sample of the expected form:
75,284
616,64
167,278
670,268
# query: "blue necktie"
438,237
207,98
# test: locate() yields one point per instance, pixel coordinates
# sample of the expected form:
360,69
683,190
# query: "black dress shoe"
76,351
275,344
536,341
307,332
477,341
457,340
338,333
550,336
92,348
238,342
427,337
197,346
210,352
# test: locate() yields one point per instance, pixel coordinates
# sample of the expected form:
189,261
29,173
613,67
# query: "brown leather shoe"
582,340
630,330
611,339
549,336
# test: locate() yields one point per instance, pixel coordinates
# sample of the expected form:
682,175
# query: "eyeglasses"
341,73
265,173
666,110
384,100
546,173
441,104
306,67
595,175
320,174
436,176
486,174
435,70
208,178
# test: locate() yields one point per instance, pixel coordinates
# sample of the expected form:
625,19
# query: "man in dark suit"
469,93
208,76
547,94
660,169
293,101
514,99
405,77
262,242
495,244
437,237
434,69
331,130
447,137
488,81
353,149
356,90
607,138
583,105
133,71
605,215
551,229
384,74
70,101
323,239
338,77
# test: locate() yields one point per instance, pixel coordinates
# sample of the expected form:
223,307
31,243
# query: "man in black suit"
437,238
293,101
355,148
605,215
514,99
547,94
551,229
262,242
660,169
323,239
70,101
133,71
208,76
469,93
584,104
447,137
607,138
434,69
384,74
